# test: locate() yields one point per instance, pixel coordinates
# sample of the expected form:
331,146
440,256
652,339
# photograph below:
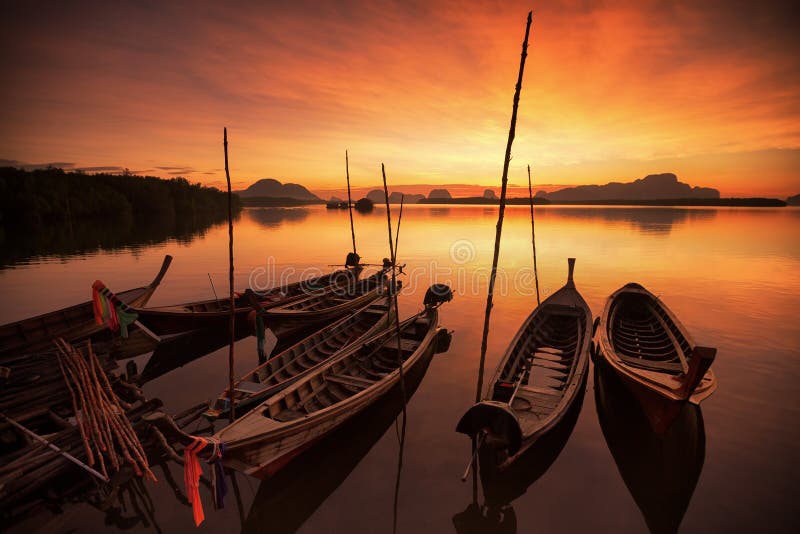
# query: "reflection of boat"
660,471
302,358
501,487
540,376
215,313
182,349
72,324
283,426
643,342
275,217
287,500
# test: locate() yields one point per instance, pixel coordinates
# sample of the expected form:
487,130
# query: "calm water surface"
731,275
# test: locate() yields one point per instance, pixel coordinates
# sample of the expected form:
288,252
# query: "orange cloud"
611,92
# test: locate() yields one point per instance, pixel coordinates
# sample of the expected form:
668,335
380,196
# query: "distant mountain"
377,197
271,188
489,194
793,200
651,187
439,193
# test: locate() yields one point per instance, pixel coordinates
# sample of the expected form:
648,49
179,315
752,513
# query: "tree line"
47,196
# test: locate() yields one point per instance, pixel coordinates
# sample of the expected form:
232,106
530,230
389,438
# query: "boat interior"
644,335
543,360
318,347
350,375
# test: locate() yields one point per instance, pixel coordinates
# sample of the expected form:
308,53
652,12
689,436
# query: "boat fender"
437,295
441,342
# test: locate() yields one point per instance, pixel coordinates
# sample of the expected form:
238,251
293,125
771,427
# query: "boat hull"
263,450
661,387
73,324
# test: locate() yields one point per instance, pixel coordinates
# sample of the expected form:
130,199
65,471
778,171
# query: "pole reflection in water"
285,501
502,487
661,472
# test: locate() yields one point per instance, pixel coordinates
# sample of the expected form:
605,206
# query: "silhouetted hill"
377,197
269,187
793,200
439,193
489,194
652,187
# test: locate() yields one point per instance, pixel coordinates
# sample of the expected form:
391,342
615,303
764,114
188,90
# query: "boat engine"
437,295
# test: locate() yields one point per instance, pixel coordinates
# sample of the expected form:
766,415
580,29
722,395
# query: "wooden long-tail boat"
303,358
72,324
654,355
290,422
287,500
538,379
215,313
295,315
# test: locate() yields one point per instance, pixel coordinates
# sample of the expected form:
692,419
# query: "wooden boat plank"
550,357
550,365
350,380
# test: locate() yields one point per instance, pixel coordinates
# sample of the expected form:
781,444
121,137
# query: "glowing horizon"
610,93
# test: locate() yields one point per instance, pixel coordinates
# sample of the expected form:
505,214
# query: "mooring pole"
231,414
533,237
350,200
493,274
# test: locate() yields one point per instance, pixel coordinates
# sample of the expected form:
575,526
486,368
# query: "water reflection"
128,233
501,488
646,220
439,212
274,217
285,501
661,472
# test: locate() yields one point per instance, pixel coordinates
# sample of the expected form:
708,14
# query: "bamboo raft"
641,340
55,429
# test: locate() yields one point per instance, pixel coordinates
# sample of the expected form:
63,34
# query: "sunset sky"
612,91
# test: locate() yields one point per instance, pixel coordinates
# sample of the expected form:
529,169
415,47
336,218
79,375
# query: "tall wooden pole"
231,414
493,274
393,257
350,200
399,220
533,237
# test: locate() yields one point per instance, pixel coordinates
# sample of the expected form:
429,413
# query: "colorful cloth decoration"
260,338
191,477
219,488
111,311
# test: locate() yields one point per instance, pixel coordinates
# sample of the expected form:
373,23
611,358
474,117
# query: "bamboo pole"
533,237
231,414
56,449
393,257
349,200
499,232
495,257
400,218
